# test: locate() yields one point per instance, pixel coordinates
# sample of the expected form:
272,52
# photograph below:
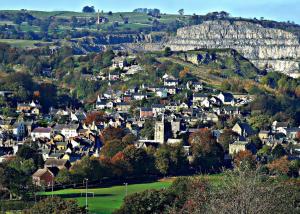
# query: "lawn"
107,200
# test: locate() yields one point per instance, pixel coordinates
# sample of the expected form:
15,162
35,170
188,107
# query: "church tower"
159,131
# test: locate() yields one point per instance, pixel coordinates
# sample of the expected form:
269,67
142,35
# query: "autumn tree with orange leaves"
279,166
95,116
245,159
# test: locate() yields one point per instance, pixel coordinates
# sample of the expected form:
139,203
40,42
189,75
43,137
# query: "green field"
107,200
21,43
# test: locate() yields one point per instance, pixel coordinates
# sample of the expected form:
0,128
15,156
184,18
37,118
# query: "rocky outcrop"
273,49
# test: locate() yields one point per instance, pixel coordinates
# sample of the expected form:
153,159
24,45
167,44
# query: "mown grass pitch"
107,200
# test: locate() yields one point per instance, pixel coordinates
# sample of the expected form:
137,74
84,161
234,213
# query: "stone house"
237,146
43,177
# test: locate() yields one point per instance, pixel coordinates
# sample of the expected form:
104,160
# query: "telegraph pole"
52,187
86,192
126,189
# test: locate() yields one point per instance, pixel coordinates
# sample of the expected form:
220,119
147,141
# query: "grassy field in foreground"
107,200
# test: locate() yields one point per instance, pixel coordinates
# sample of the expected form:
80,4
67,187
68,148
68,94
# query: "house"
78,116
292,133
205,103
237,146
127,98
171,89
264,135
171,82
279,127
59,163
41,132
23,107
138,96
59,137
183,105
243,129
19,130
43,177
198,86
158,109
162,93
118,62
67,130
199,97
210,117
101,104
146,112
231,110
226,98
61,145
172,107
114,75
123,106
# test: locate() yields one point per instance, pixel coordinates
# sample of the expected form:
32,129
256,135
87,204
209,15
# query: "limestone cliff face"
267,48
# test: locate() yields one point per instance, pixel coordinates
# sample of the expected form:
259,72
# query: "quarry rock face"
266,48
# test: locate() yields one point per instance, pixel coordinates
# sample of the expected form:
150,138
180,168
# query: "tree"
280,166
148,129
147,202
184,73
249,192
171,160
55,205
48,95
63,177
208,155
139,161
112,147
129,138
96,116
88,9
87,167
226,138
245,160
31,152
278,151
181,12
167,52
111,133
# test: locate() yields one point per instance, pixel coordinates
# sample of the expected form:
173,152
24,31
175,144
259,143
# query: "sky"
280,10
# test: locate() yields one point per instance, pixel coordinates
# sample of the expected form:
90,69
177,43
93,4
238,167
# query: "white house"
226,98
171,82
41,132
138,96
205,103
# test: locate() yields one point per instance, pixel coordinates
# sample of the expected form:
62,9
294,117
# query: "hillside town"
107,108
71,134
